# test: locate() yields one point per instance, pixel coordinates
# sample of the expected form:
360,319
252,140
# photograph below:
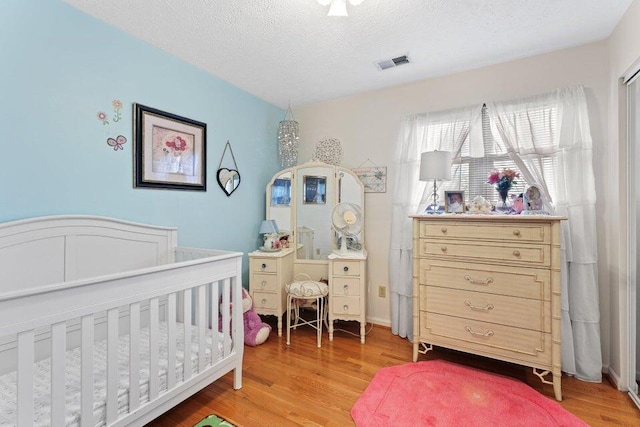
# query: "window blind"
536,127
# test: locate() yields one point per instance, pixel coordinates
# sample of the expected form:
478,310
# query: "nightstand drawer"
532,255
265,300
345,305
264,282
345,286
346,268
504,310
264,265
530,233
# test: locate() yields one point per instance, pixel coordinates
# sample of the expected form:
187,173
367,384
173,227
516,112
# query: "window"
469,174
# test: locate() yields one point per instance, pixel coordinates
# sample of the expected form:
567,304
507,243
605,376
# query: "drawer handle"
264,283
516,253
263,301
346,289
345,308
516,232
443,249
486,281
489,333
346,268
444,230
476,307
264,266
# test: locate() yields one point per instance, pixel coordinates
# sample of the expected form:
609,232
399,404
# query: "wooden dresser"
348,292
489,285
268,273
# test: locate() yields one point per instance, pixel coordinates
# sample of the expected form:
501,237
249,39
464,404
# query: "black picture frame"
169,151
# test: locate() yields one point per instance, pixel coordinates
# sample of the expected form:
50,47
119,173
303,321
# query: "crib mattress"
42,378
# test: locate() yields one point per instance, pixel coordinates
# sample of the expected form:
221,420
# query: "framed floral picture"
170,152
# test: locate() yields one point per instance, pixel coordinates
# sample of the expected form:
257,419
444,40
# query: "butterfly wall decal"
117,142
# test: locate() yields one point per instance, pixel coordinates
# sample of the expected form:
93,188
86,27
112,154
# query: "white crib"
107,322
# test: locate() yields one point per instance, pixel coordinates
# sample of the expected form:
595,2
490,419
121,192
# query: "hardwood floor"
305,385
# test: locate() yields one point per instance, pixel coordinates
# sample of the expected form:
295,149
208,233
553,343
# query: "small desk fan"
346,219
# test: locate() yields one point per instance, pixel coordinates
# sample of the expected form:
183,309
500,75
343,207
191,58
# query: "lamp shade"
268,226
435,165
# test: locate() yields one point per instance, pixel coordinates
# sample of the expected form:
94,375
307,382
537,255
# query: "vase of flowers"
502,181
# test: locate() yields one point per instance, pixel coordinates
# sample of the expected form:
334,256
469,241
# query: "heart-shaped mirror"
229,180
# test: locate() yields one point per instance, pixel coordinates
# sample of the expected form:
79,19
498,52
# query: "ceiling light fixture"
339,7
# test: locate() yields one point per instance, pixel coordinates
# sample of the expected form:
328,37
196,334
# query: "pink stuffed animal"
255,330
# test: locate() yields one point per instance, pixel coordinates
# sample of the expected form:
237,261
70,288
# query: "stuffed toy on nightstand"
255,330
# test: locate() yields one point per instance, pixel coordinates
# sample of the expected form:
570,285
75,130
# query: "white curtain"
549,138
444,131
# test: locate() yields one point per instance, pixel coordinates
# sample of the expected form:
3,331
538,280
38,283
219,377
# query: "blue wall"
59,68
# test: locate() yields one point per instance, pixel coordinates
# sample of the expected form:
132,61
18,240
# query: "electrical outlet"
382,291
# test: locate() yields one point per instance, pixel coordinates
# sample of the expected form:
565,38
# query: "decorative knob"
516,253
264,283
516,232
443,249
264,266
346,268
345,308
444,230
264,301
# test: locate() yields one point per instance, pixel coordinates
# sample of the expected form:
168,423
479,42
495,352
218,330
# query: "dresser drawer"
502,280
505,341
264,282
345,305
346,268
534,255
264,265
530,233
345,286
504,310
265,301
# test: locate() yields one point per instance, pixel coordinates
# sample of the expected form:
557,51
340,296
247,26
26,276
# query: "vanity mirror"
301,200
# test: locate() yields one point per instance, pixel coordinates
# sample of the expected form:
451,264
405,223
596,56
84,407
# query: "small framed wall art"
170,152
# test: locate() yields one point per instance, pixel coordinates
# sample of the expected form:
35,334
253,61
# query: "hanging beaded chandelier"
288,131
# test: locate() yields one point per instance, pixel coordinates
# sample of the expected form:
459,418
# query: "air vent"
385,64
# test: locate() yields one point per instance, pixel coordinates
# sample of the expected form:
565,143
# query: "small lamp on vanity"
270,230
435,165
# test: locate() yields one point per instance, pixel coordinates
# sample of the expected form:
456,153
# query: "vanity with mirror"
318,206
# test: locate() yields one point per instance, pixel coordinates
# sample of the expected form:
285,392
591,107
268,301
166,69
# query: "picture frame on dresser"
454,202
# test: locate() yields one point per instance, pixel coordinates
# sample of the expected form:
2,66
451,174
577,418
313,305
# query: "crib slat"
58,352
86,371
171,341
202,325
25,378
226,315
134,356
154,338
215,321
187,371
112,365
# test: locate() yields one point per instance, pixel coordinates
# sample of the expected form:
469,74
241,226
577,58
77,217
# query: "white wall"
367,125
624,50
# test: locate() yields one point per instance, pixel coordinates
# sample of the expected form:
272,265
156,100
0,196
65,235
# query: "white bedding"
42,378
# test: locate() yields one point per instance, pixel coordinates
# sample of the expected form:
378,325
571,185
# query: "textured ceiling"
289,51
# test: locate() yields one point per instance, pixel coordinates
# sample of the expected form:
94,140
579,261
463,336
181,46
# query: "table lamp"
435,165
269,228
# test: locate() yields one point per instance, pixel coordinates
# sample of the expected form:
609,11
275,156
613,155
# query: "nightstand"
269,272
348,289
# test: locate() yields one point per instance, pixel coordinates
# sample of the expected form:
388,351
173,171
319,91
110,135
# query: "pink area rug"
439,393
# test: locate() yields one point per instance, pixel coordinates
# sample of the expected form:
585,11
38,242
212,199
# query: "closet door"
634,240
